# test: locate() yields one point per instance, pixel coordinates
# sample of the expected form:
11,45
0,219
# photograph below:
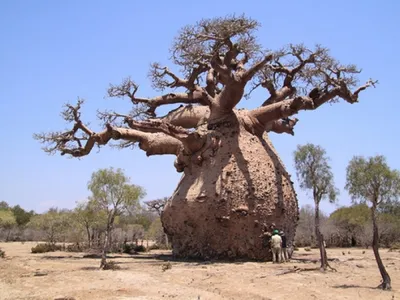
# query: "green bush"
74,248
308,249
140,248
2,254
133,248
43,248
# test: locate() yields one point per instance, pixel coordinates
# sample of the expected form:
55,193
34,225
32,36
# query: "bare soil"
63,275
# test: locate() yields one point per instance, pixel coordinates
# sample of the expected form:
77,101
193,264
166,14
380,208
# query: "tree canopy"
111,190
371,179
221,62
314,172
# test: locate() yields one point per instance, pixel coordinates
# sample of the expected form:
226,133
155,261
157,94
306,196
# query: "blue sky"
54,51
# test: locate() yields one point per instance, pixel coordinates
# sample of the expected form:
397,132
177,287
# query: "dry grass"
70,276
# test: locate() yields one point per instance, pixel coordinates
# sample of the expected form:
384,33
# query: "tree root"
309,260
297,270
330,267
384,286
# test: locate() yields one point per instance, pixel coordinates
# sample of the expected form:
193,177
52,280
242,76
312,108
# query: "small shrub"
128,249
159,247
2,254
140,248
166,266
308,249
74,248
43,248
111,265
296,249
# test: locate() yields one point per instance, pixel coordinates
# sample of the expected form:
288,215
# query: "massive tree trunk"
222,202
386,281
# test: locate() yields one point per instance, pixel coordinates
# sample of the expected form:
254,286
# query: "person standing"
284,253
276,246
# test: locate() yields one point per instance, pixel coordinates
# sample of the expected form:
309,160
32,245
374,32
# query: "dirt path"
141,277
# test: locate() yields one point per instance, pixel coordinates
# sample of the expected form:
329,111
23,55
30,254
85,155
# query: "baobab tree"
233,181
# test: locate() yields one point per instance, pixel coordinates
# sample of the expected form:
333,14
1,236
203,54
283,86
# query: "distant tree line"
112,219
350,226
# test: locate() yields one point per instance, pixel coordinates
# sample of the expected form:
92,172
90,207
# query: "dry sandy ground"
69,276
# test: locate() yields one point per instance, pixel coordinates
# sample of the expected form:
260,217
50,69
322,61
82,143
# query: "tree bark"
233,186
88,234
107,238
319,236
166,241
103,261
386,281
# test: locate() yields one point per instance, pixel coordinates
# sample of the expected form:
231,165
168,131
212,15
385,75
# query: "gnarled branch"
128,89
316,98
69,142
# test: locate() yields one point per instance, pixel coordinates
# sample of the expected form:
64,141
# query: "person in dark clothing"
284,253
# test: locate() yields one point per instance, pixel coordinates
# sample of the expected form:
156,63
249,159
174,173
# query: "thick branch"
69,142
282,126
188,116
159,126
277,96
151,143
211,83
316,98
250,73
282,109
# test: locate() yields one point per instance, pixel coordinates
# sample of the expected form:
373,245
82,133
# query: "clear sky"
54,51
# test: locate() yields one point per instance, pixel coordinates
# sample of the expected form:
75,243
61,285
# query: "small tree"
372,180
89,217
22,217
158,206
112,193
7,222
53,223
314,173
351,224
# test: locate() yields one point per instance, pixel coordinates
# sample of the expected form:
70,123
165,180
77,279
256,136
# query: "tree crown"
221,63
314,172
111,190
371,179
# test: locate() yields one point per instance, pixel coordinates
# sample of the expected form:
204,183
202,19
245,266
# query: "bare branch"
250,73
315,99
158,76
69,142
157,205
128,88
